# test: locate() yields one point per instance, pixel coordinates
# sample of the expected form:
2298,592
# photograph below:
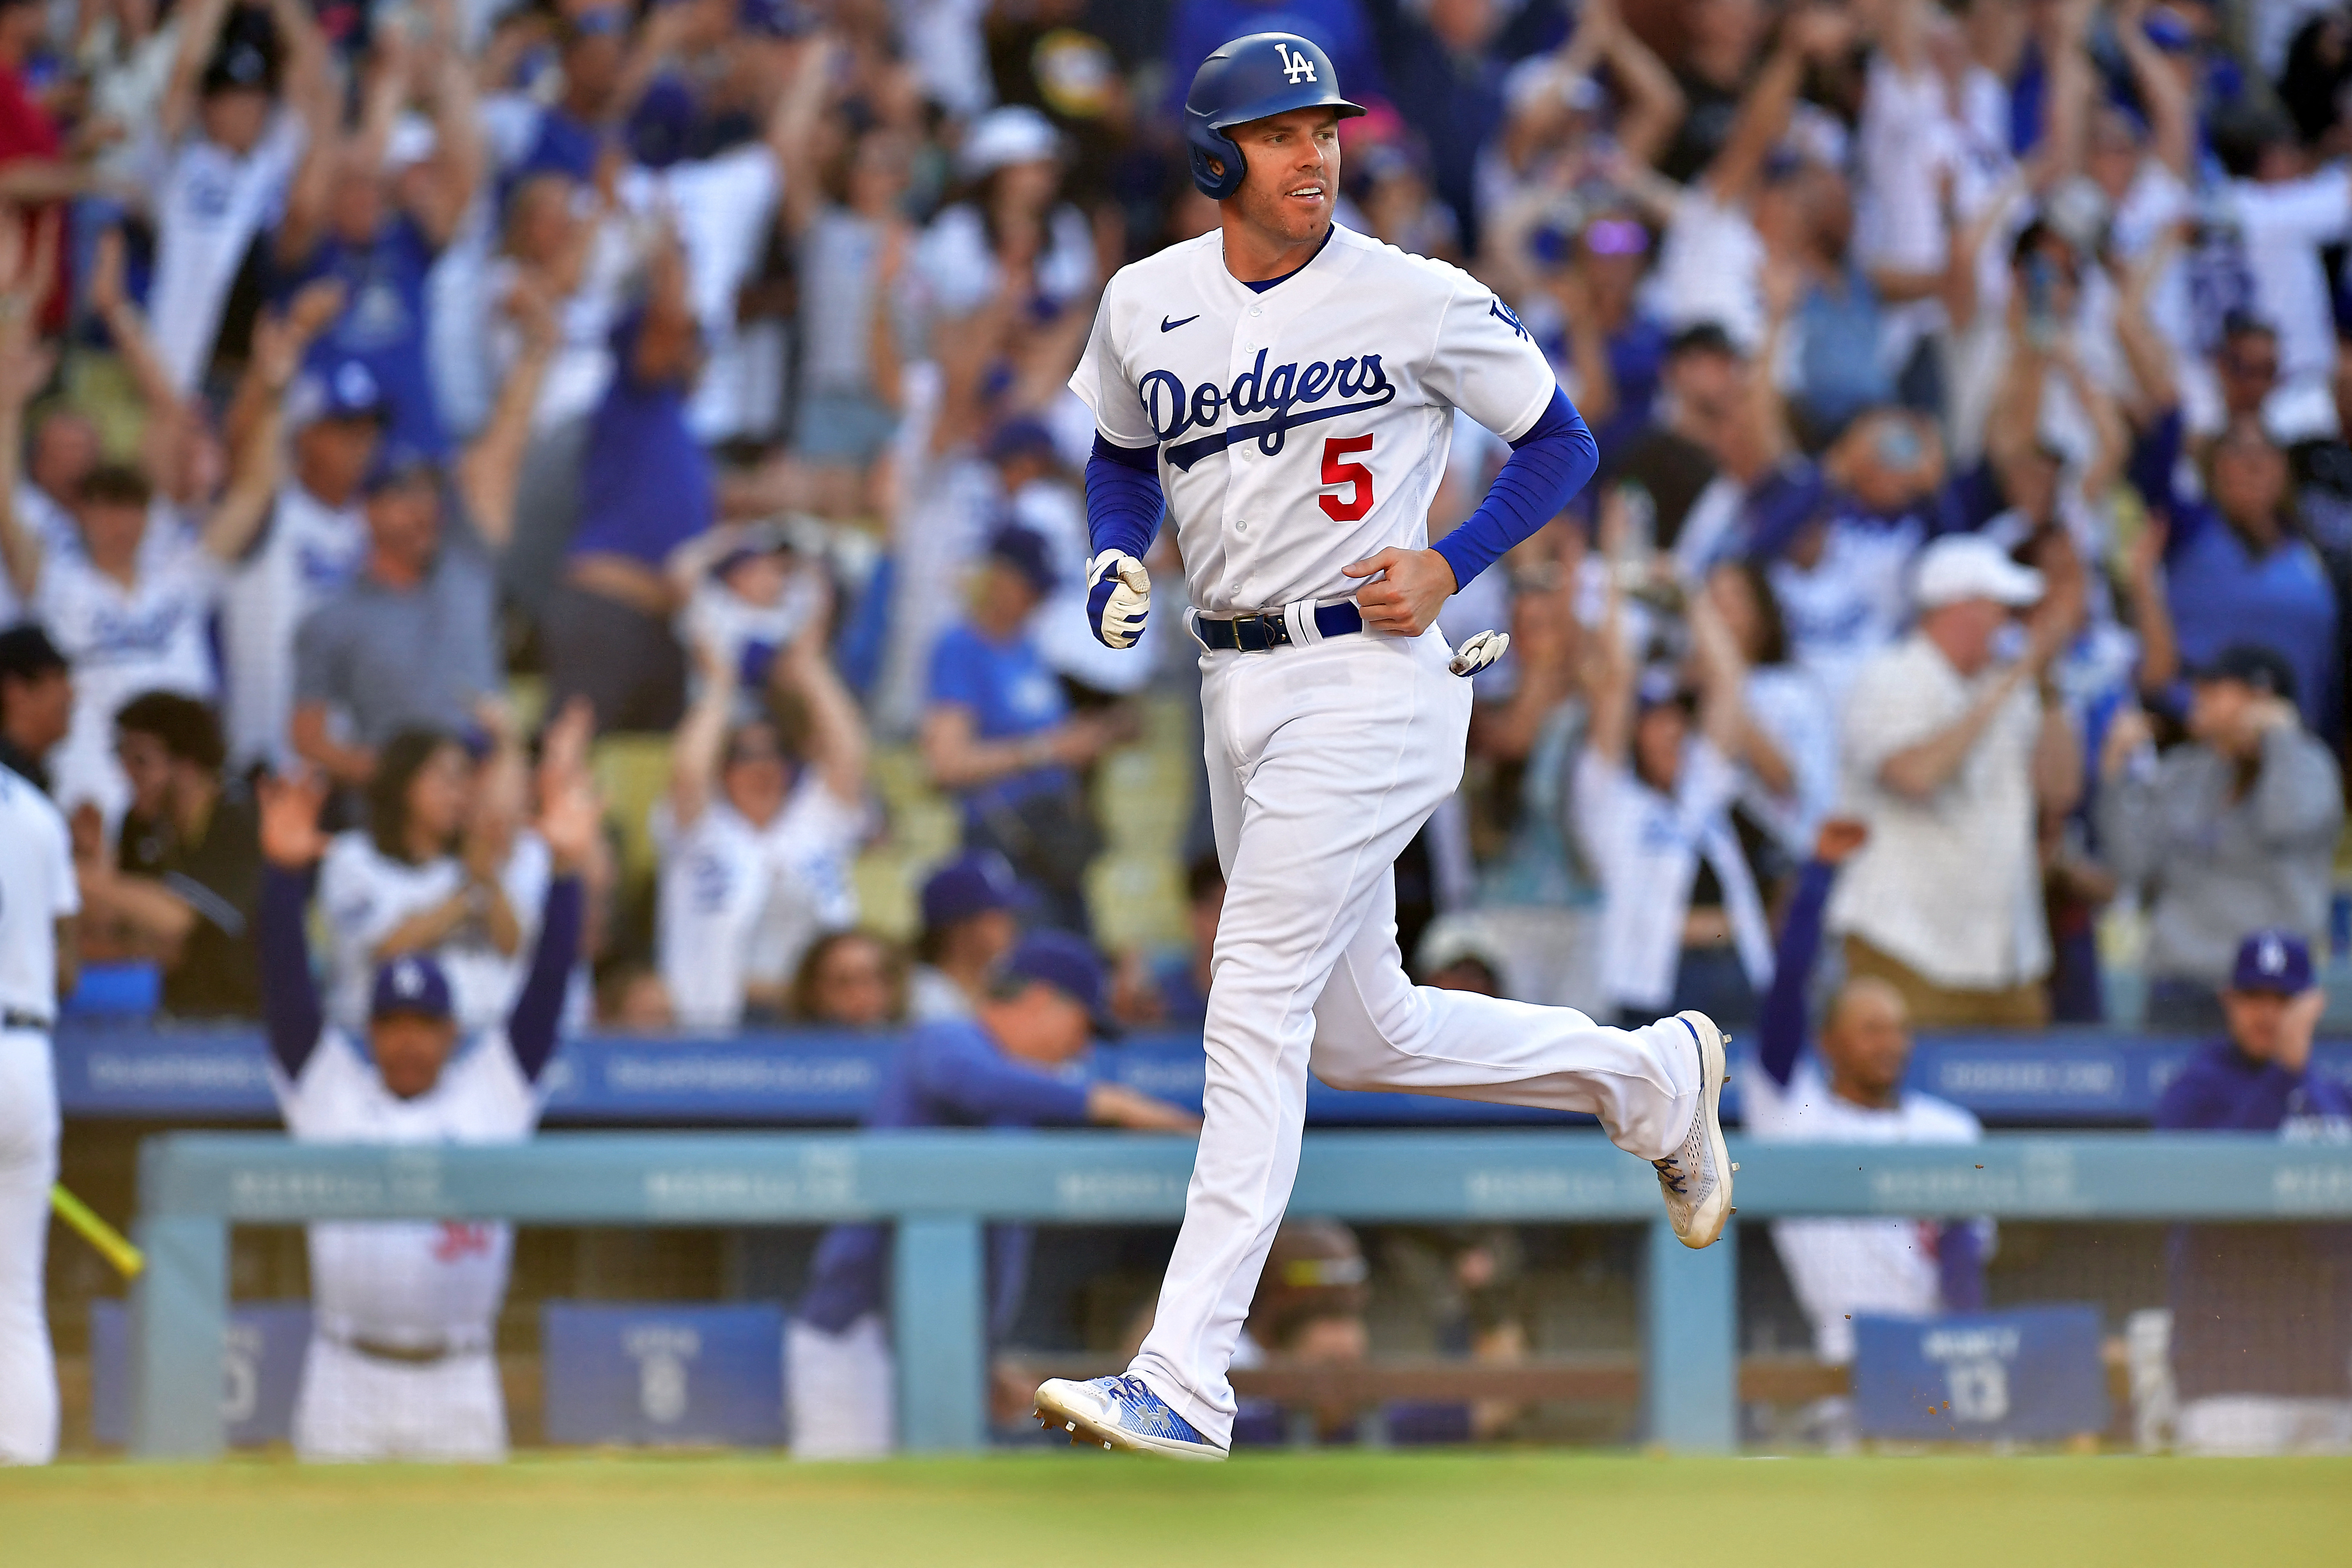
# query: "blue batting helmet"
1249,79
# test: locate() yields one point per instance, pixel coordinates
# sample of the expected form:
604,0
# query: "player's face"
1056,1026
410,1051
332,457
39,711
1658,736
235,119
756,778
2217,711
2255,1018
110,530
1867,1043
1293,163
853,985
440,796
148,768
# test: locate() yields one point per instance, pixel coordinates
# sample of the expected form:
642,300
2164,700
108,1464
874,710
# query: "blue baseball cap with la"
1070,965
2274,960
413,984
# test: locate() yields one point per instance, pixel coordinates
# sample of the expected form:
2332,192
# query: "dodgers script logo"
1277,393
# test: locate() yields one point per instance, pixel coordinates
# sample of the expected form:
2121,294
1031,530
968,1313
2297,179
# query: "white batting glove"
1479,650
1119,598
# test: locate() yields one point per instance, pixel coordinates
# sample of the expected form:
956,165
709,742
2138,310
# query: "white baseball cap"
1969,566
1018,134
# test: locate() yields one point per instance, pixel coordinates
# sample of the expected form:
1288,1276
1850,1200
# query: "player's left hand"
1413,584
1479,650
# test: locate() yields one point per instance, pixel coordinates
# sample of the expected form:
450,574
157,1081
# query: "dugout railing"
940,1189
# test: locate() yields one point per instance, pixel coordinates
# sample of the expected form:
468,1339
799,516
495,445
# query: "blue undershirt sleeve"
531,1027
289,997
1123,500
1547,466
1780,1028
965,1072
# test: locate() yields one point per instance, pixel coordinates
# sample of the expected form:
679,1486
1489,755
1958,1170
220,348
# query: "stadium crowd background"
397,393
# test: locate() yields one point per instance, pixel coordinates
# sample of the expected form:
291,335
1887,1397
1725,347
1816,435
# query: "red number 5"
1353,474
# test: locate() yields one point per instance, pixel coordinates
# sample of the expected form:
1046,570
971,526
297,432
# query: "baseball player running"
1289,386
38,901
400,1363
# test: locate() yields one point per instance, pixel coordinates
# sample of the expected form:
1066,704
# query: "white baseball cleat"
1696,1180
1120,1413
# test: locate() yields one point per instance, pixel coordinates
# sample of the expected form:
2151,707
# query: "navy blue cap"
1024,551
1068,963
1023,436
2273,959
974,882
412,983
2249,665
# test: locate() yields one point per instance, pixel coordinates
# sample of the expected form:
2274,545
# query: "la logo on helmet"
1295,68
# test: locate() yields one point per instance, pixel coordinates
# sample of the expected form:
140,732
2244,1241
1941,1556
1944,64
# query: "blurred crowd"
394,391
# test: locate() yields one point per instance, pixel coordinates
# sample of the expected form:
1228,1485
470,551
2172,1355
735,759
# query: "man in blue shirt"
2262,1314
1000,1067
999,733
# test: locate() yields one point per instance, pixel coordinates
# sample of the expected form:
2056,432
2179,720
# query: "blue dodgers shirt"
948,1074
382,325
2258,1308
1011,693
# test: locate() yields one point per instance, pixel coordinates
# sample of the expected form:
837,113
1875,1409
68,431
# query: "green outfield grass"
1426,1511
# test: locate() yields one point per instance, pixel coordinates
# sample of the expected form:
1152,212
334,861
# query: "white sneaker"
1697,1177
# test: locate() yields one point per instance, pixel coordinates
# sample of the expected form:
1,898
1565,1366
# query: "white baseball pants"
29,1165
1324,761
354,1407
840,1391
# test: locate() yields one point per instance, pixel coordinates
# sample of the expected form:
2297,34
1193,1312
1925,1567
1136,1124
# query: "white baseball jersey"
420,1282
209,204
1305,427
37,890
151,636
365,893
741,901
309,553
1841,1269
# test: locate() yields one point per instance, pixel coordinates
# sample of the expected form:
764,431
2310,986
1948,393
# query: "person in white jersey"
38,904
1286,388
400,1362
1851,1092
755,862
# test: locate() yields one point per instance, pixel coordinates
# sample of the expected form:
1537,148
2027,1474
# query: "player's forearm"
1547,466
531,1027
289,997
1123,502
1780,1027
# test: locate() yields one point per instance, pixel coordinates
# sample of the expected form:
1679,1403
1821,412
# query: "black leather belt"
12,1019
1262,634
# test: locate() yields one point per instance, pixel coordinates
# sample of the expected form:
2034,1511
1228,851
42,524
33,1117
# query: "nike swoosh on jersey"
1168,326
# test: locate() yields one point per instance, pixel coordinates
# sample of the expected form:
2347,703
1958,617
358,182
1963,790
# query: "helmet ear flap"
1224,149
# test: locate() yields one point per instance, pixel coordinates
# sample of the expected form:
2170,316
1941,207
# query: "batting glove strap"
1478,651
1119,598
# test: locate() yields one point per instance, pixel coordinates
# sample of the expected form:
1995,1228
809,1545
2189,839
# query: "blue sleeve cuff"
1547,466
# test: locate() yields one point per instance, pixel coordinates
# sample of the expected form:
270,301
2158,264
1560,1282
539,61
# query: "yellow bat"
112,1244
